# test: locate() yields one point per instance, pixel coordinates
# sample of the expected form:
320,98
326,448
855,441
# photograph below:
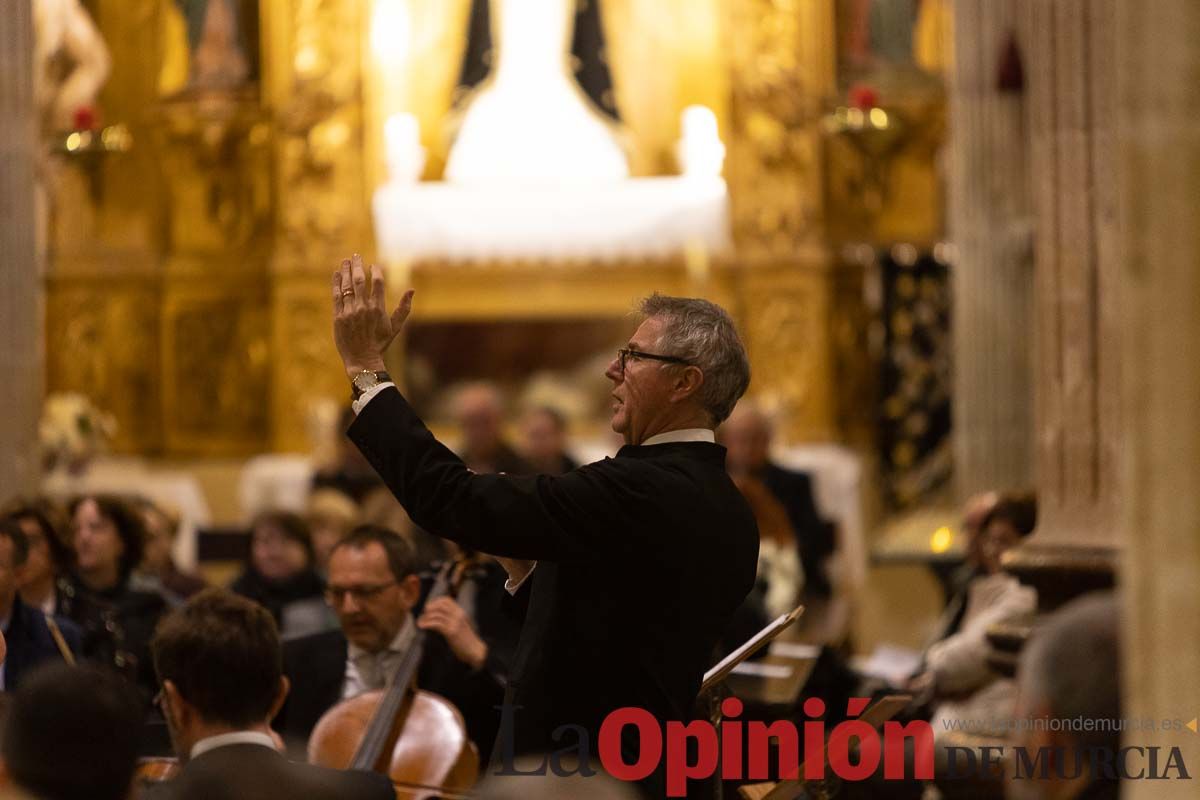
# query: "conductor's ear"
687,383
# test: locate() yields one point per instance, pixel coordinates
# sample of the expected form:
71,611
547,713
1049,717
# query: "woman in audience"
162,528
281,575
117,620
49,558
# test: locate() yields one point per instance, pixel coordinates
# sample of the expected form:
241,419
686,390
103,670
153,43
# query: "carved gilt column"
1072,109
1158,171
21,350
990,219
314,63
781,61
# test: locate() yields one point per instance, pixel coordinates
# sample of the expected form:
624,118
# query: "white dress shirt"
366,672
225,739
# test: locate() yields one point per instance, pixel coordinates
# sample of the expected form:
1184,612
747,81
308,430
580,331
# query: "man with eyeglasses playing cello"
637,562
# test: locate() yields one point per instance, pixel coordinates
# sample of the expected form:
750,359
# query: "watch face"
365,380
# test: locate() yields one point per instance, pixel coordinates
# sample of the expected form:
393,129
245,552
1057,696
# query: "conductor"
636,562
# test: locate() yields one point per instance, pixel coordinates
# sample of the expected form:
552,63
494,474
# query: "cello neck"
383,722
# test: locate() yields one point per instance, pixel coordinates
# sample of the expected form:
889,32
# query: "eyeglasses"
626,353
336,595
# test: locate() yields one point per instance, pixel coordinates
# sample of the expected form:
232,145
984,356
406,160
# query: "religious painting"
209,46
892,35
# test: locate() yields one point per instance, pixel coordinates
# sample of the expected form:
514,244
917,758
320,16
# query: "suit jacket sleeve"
557,518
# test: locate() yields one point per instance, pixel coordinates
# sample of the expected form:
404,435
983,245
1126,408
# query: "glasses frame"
336,596
625,353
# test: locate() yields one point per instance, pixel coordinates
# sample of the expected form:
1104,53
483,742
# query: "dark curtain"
589,59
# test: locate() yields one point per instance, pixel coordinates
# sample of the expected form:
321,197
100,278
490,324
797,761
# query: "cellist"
375,589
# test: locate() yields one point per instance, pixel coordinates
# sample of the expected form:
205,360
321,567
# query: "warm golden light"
74,141
879,118
941,540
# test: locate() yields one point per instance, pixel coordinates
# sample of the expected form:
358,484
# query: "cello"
418,739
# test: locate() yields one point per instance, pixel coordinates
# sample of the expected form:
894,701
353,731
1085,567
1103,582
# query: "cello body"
426,754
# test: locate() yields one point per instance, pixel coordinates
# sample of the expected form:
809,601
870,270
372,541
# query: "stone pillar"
991,226
1158,172
20,271
1072,120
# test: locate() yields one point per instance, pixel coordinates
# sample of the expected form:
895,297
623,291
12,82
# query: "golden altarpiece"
187,290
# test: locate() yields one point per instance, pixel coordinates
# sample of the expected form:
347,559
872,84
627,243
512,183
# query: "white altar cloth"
634,218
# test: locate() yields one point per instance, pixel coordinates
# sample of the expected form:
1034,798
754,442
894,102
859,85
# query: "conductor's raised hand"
362,326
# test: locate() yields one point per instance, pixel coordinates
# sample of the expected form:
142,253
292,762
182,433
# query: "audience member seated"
50,557
27,631
975,514
780,573
544,441
479,412
957,676
351,475
71,733
158,568
747,439
374,589
281,575
1071,670
219,659
117,619
330,516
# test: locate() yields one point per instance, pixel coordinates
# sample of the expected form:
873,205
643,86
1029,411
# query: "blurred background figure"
544,441
747,439
331,514
28,633
50,557
117,619
350,473
281,574
158,566
71,733
479,412
957,676
1071,669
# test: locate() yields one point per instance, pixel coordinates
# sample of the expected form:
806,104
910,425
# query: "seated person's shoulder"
303,646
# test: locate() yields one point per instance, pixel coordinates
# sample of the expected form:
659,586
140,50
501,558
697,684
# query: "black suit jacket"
814,536
30,643
254,772
642,560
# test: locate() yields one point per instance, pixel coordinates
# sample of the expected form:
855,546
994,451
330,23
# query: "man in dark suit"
747,437
219,661
27,631
374,589
640,559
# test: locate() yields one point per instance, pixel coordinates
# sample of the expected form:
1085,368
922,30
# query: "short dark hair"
401,555
1018,509
291,525
48,517
223,654
72,733
128,522
11,529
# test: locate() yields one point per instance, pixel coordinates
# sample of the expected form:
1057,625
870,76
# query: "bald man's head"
747,437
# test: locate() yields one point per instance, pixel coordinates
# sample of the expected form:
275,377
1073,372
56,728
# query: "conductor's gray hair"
703,334
1071,669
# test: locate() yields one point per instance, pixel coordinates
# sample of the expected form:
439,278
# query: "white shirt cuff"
361,403
518,573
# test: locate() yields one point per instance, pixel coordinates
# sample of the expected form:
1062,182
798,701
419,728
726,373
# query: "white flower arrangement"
72,431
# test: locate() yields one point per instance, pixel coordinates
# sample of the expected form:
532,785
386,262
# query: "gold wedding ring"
347,293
